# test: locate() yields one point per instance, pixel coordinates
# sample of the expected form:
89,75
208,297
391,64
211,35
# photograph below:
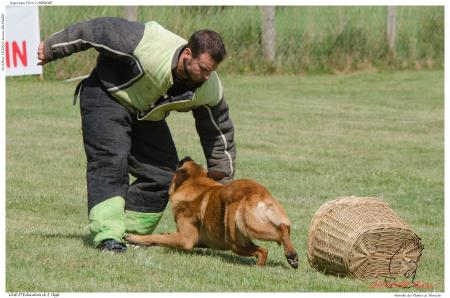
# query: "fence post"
131,13
268,33
391,28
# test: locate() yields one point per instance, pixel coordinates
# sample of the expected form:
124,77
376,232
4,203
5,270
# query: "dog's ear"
185,159
216,175
180,176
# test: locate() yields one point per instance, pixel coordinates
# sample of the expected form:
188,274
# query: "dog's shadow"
225,256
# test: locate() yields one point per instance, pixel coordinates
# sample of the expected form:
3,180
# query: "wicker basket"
362,238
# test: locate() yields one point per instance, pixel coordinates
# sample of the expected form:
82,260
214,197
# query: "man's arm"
216,132
114,37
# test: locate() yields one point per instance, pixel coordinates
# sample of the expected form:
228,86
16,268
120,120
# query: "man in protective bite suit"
143,72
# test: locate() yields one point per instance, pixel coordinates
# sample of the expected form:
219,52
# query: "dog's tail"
261,219
267,220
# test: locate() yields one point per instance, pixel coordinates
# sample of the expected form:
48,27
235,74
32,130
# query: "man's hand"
40,53
219,177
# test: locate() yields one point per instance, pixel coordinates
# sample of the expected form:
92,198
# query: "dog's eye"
181,170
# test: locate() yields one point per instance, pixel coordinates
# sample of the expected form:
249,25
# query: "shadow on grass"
227,257
86,238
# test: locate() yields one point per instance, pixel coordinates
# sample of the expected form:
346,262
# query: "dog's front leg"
174,240
185,238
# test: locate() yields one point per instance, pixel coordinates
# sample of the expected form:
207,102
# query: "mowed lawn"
307,139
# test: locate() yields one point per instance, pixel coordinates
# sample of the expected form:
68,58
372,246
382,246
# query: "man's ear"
180,176
216,175
187,52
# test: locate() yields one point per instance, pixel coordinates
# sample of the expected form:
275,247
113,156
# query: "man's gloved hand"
226,180
40,54
219,177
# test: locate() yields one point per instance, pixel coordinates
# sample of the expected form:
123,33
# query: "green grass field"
308,139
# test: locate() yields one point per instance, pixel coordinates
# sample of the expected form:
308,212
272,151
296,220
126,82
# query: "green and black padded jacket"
135,65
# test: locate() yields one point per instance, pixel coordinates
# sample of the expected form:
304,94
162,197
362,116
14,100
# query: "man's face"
199,69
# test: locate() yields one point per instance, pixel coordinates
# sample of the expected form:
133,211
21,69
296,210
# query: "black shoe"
112,246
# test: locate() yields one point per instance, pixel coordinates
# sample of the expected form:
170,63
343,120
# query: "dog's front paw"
131,238
292,259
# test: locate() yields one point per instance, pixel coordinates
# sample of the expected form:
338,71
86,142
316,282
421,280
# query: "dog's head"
189,169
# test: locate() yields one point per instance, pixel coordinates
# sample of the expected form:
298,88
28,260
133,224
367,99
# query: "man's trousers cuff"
107,220
140,222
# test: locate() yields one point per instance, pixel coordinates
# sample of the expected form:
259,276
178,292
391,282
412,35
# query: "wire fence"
317,39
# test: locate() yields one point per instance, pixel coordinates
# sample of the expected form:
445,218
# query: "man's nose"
206,74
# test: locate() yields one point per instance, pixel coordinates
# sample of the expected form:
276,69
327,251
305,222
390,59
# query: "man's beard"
185,65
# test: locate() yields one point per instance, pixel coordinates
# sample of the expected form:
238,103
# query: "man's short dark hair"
207,41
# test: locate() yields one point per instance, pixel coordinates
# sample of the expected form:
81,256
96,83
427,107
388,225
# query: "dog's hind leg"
289,250
253,250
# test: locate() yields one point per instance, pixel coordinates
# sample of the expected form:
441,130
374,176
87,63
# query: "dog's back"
233,214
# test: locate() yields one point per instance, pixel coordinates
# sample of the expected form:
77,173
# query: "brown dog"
210,214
